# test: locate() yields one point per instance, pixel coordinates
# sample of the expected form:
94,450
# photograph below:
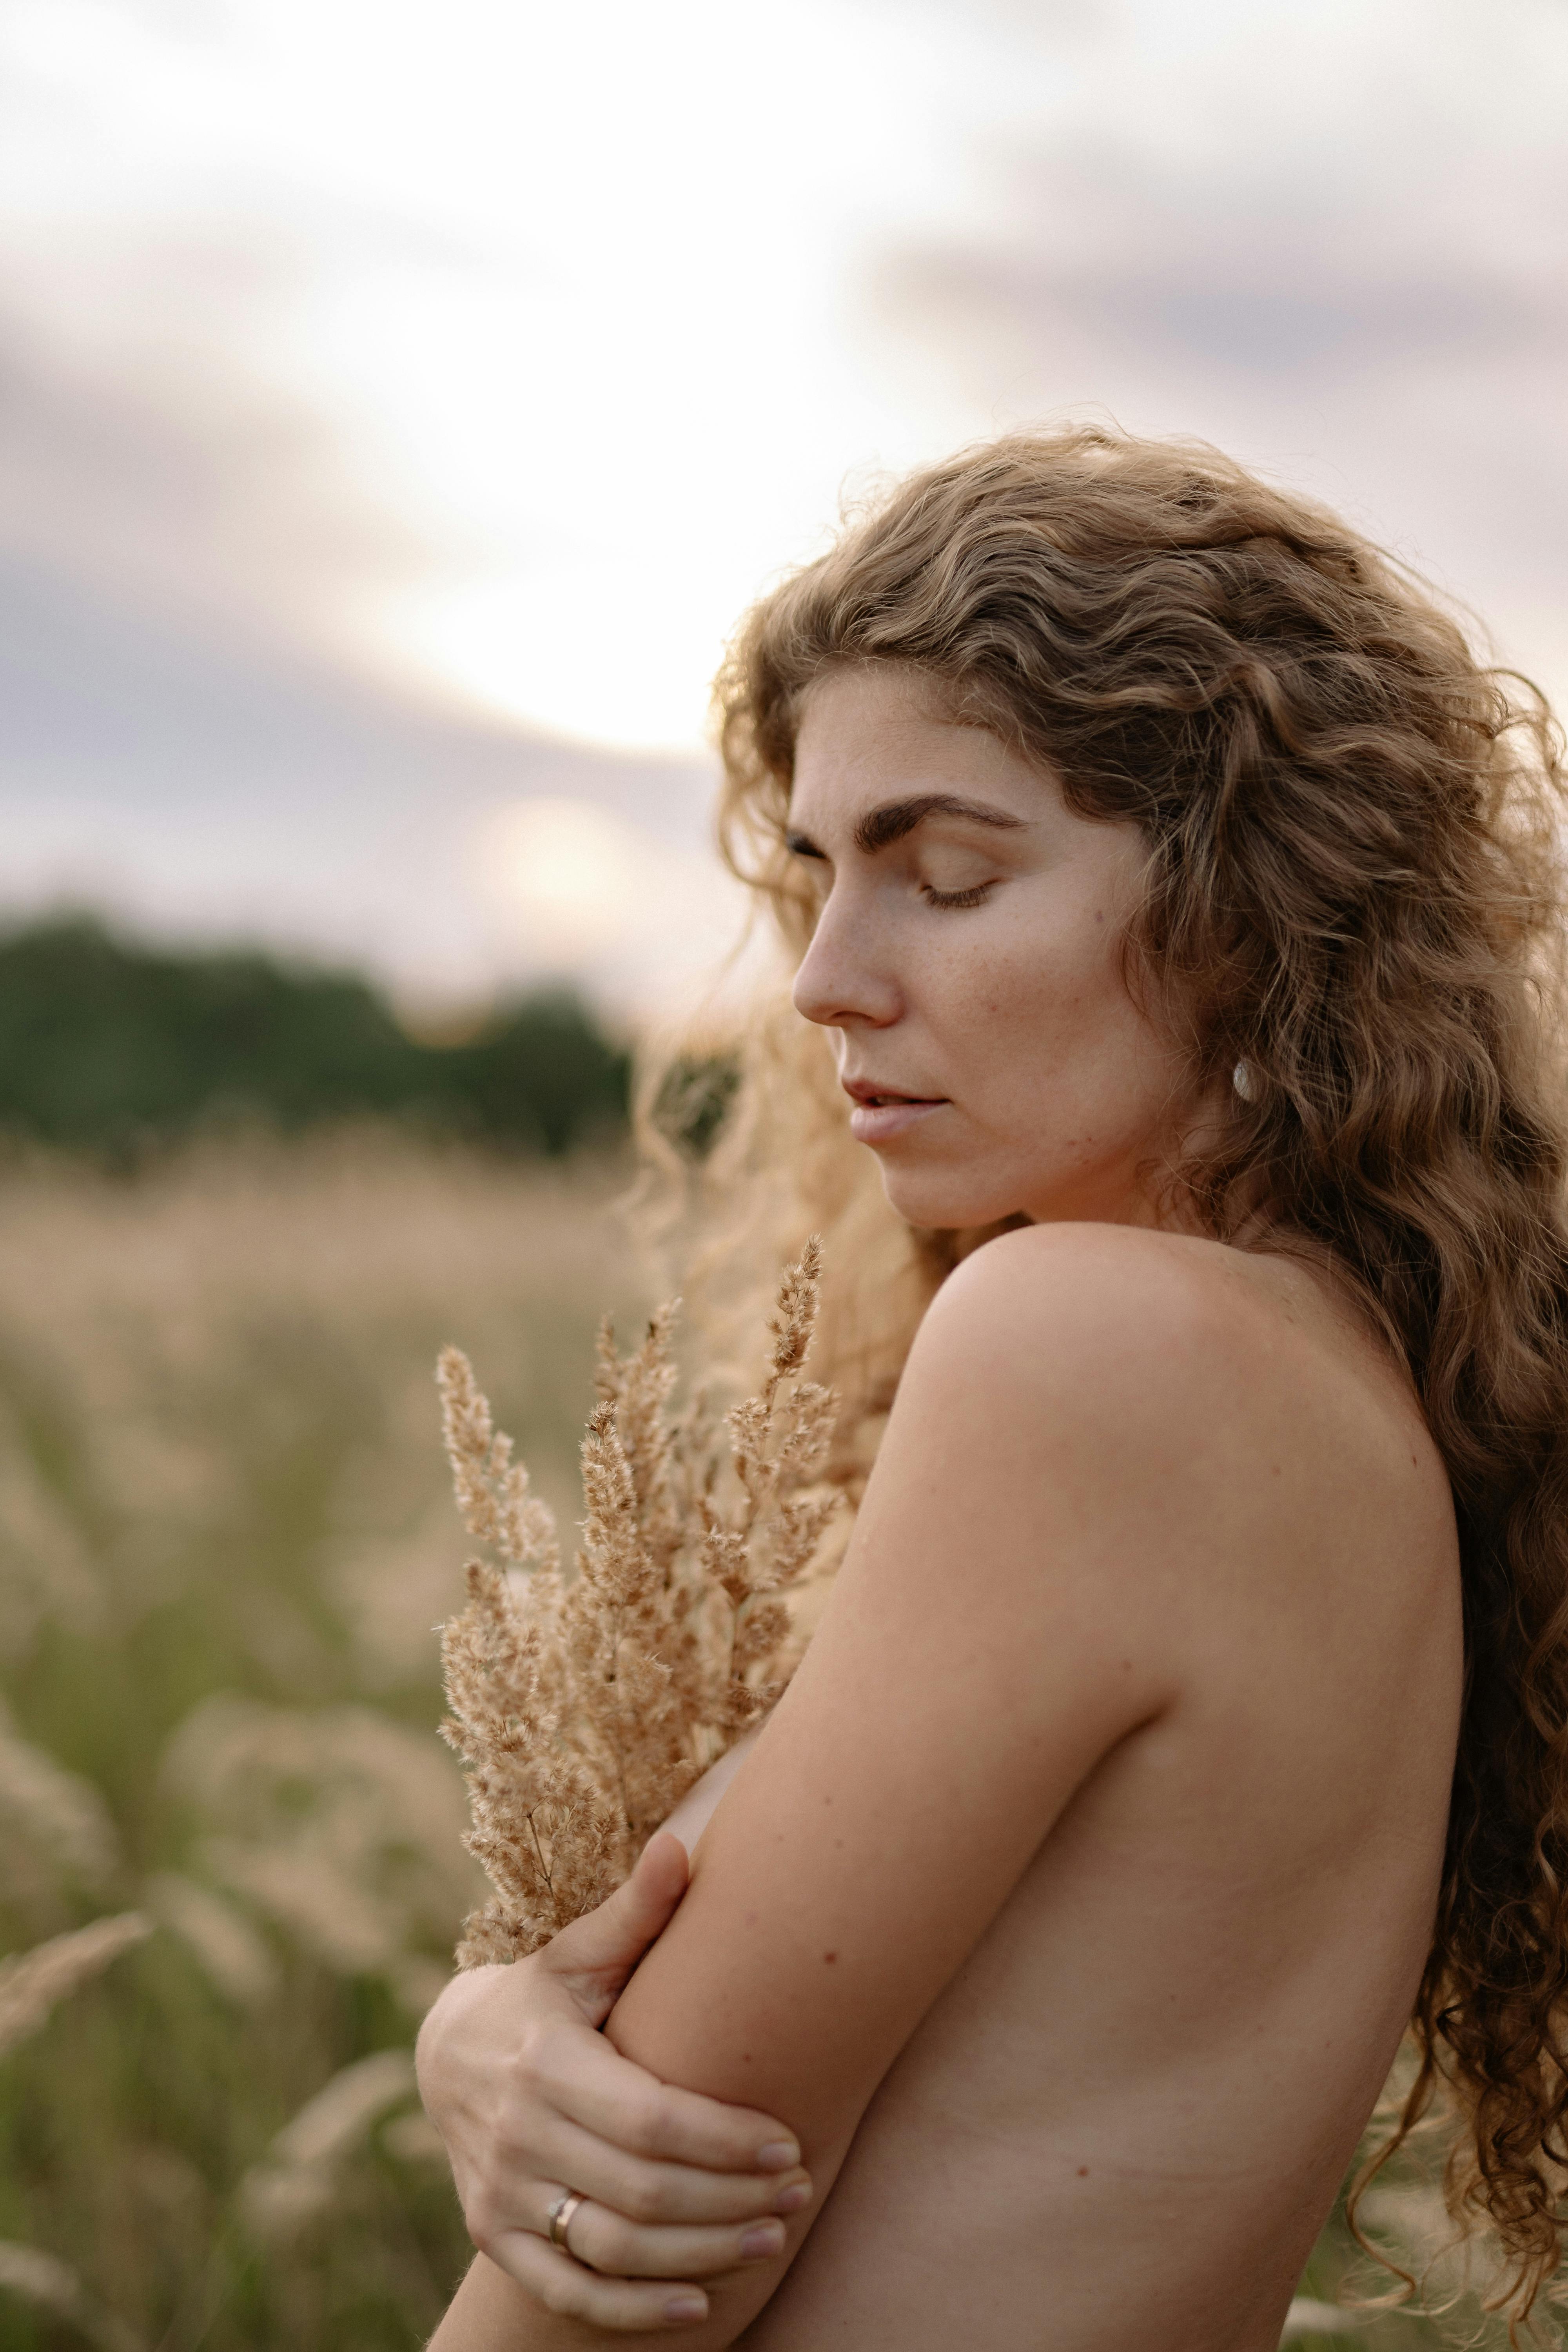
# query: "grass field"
224,1539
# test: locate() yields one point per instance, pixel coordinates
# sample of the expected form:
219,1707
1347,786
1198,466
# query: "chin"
936,1198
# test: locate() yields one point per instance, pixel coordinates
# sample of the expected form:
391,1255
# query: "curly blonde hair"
1354,886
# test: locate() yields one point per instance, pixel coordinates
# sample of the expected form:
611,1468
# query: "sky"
399,405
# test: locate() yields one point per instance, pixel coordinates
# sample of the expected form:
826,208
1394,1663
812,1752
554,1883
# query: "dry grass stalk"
298,2178
337,1822
233,1957
53,2286
584,1710
54,1825
32,1982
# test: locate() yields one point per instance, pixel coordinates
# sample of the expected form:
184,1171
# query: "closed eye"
973,898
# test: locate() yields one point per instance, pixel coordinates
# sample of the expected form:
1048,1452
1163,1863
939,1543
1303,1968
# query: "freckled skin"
1141,2090
1135,1702
1059,1090
1104,2007
1014,1008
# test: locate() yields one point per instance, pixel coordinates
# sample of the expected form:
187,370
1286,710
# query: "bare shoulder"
1170,1379
1113,1317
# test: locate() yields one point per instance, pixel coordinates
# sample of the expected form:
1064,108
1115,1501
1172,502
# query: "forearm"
528,2094
492,2312
488,2314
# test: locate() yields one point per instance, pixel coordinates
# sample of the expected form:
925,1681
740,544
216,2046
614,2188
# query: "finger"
587,2081
606,2242
663,2194
598,1952
566,2287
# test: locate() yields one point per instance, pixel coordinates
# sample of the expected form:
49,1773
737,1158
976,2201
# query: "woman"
1190,1713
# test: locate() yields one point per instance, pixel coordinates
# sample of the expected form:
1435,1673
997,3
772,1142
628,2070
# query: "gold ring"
561,2214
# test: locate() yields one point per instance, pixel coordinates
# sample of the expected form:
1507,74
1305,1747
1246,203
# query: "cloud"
139,452
1325,244
1186,289
582,892
1192,195
208,785
188,734
312,371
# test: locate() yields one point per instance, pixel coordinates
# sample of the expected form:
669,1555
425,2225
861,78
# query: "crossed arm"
998,1626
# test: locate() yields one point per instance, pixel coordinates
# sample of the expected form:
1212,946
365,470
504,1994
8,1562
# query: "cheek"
1047,995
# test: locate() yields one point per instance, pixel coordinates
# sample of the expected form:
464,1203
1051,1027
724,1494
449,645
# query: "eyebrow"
882,827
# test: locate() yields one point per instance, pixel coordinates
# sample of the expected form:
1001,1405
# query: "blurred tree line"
111,1046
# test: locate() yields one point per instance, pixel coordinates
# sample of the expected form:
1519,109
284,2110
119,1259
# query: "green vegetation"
226,1535
109,1045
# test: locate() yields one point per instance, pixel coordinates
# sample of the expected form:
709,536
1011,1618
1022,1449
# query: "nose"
844,981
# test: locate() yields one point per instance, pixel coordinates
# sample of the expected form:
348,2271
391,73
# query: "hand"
532,2101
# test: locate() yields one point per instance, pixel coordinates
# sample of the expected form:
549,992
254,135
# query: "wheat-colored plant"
233,1955
52,2286
297,2178
585,1708
338,1824
32,1982
55,1827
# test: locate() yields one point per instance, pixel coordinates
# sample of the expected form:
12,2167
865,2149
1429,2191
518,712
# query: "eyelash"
975,898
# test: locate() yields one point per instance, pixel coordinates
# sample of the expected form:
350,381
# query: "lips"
882,1114
864,1090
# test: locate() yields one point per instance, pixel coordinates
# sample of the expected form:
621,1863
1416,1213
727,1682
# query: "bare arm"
1001,1622
698,1807
529,2096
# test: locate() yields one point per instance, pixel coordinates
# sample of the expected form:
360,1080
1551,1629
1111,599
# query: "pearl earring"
1244,1081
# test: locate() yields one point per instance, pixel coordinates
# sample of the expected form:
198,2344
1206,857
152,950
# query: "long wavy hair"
1354,887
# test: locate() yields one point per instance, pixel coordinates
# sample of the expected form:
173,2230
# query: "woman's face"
966,965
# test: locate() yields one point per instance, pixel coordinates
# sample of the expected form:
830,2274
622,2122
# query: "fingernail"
779,2156
762,2238
791,2200
686,2307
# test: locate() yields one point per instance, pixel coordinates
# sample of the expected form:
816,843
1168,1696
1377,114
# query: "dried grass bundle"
586,1709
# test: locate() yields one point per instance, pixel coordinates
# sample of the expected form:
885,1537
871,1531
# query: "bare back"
1140,2092
1217,1560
